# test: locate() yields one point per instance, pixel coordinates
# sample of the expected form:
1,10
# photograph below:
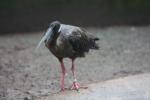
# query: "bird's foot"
77,86
63,90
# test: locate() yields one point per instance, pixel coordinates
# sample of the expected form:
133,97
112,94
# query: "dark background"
35,15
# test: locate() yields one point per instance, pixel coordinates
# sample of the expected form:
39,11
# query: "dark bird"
67,41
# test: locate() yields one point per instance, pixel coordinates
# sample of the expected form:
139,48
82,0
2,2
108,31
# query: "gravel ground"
26,73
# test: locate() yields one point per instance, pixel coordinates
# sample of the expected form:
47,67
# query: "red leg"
75,85
63,75
72,68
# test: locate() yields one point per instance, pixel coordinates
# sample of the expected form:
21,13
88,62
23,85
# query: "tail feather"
93,43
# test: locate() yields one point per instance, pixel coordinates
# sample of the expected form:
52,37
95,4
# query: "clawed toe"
75,86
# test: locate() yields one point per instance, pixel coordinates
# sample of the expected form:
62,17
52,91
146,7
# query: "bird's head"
53,30
55,26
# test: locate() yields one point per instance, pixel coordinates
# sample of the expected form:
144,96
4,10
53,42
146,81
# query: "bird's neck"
54,39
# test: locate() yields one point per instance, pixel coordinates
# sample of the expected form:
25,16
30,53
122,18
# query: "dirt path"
134,87
25,72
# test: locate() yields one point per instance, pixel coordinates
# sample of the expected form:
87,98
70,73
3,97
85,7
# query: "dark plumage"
68,41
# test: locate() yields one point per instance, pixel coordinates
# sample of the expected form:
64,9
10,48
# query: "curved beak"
46,37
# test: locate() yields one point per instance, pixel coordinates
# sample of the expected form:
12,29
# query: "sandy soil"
27,74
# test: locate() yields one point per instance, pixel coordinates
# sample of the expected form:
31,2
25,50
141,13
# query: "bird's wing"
79,40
